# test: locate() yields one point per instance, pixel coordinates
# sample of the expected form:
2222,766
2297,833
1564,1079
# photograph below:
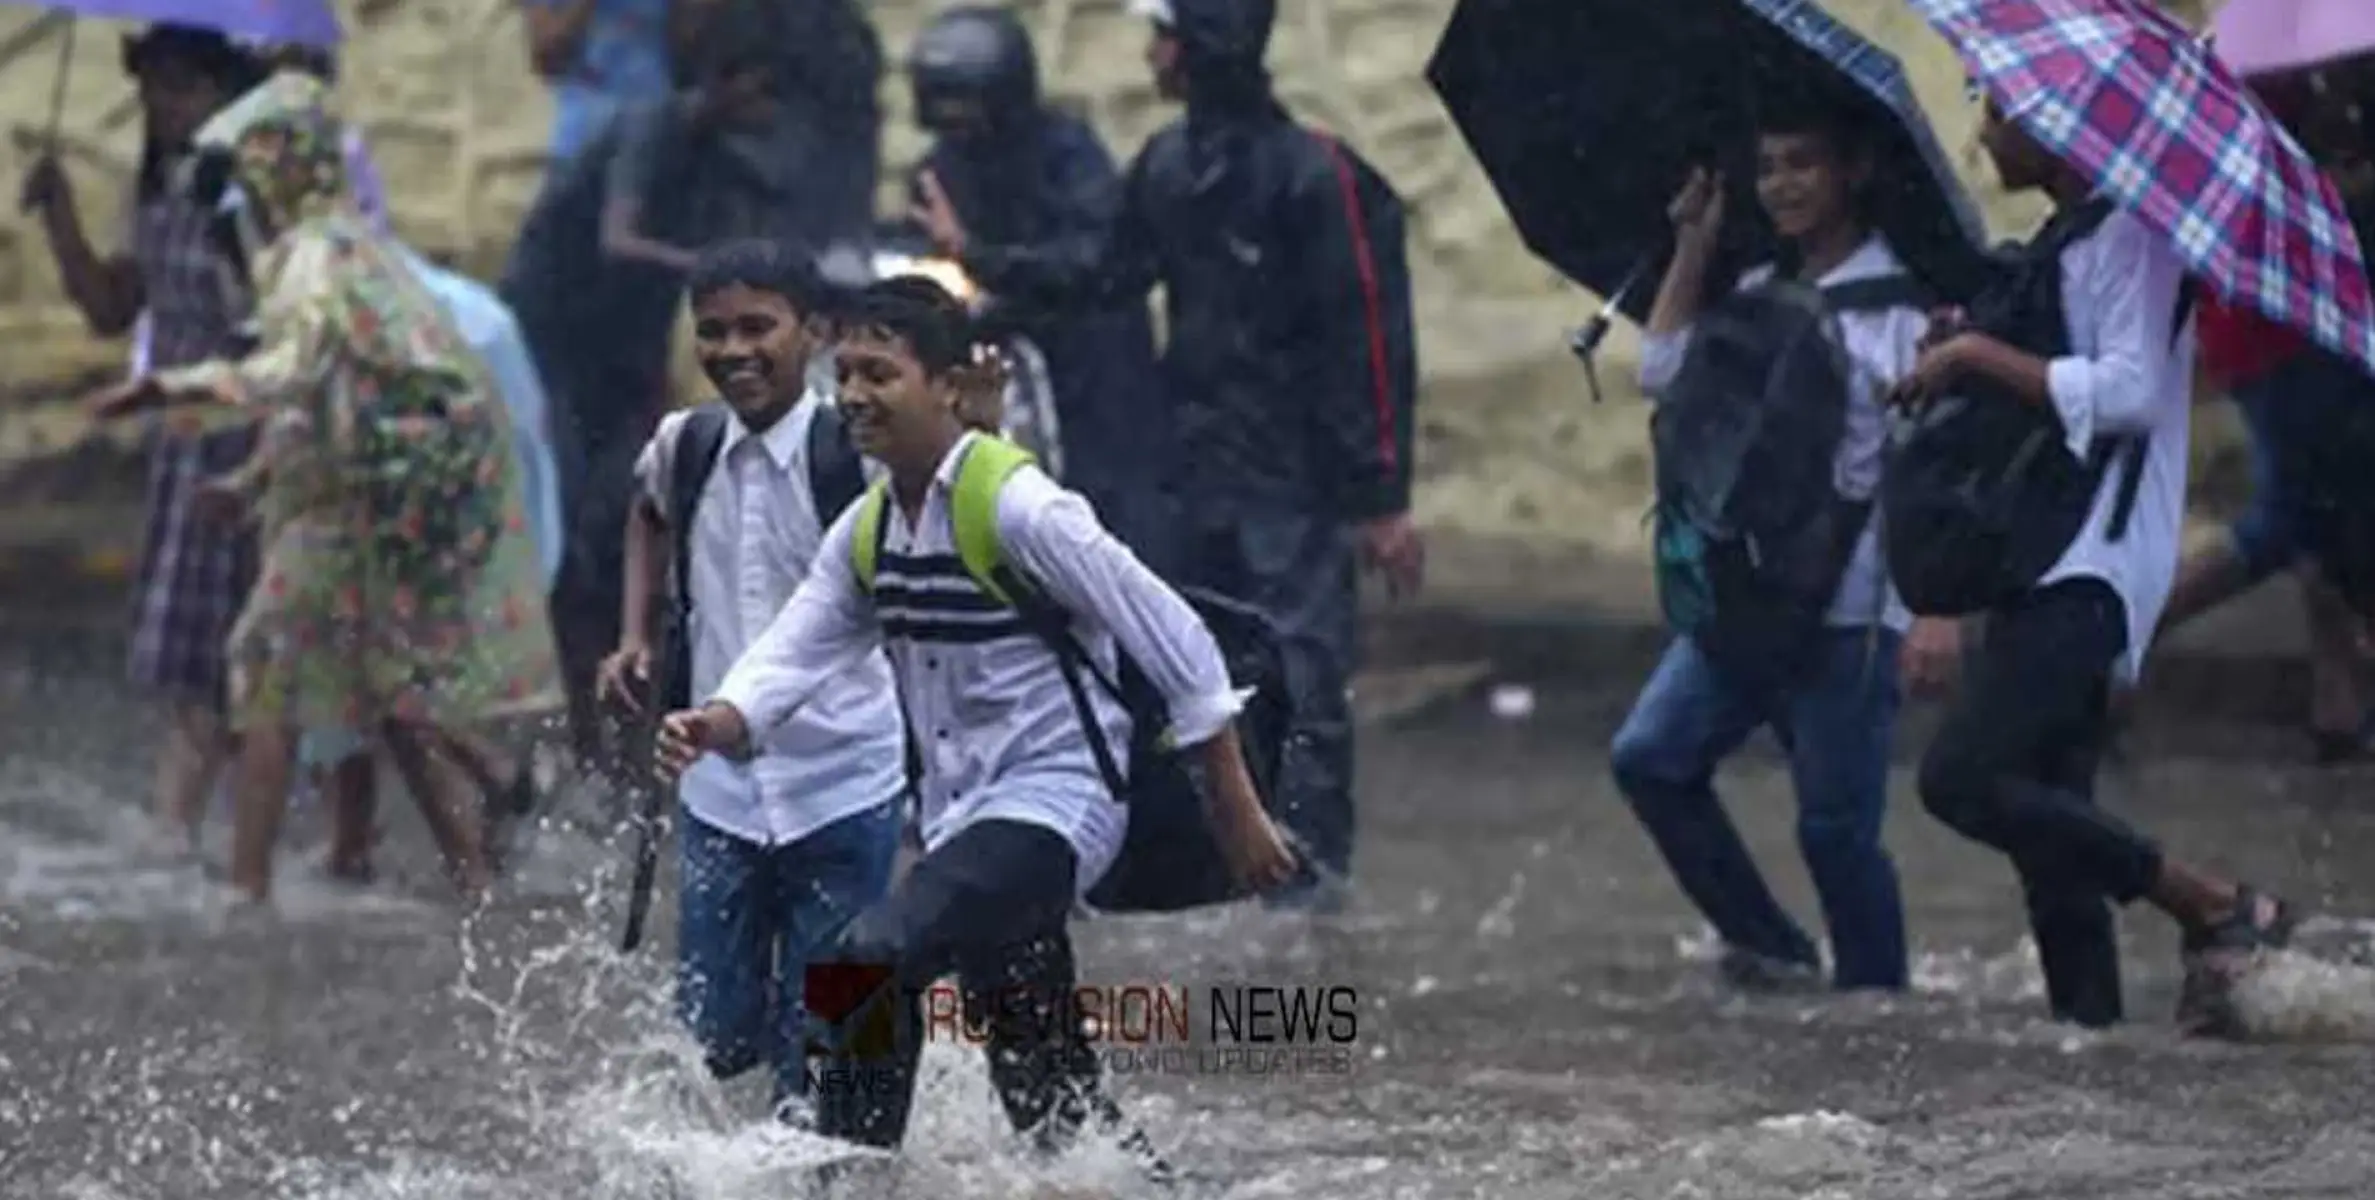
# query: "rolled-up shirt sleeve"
1661,359
1058,542
656,462
823,632
2128,279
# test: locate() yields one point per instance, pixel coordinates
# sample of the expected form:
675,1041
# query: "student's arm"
1697,214
300,324
2131,278
1104,256
556,31
648,521
636,170
2134,282
822,633
1055,538
108,291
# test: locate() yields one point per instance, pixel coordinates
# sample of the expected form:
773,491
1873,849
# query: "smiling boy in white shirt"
781,848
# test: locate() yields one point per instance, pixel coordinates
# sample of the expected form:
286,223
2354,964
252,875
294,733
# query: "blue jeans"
749,919
2305,481
1836,727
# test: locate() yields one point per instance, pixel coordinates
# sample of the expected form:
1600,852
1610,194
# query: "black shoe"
2216,956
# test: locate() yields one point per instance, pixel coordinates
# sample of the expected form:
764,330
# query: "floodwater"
1536,1015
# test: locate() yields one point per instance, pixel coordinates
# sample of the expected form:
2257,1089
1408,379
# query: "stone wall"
457,122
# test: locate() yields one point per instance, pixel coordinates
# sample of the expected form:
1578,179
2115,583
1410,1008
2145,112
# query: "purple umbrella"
2260,37
304,22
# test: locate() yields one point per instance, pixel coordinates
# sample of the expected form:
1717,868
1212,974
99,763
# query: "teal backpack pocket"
1685,593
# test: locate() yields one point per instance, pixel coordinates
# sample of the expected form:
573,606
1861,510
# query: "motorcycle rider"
1013,171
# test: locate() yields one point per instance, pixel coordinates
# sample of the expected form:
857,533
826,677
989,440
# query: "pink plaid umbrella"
2260,37
2137,103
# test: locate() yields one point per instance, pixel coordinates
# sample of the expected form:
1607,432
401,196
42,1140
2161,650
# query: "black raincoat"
1047,185
1242,216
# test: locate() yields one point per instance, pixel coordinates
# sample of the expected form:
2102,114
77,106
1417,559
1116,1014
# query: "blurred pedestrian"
399,588
597,275
192,576
2309,436
600,57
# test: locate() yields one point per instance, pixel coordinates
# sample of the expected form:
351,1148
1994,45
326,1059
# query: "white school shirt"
2126,375
995,724
755,536
1881,349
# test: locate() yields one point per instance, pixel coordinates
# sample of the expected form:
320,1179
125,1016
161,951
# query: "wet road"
1536,1018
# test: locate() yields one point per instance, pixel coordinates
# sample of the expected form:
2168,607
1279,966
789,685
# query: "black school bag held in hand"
1753,534
836,478
1982,495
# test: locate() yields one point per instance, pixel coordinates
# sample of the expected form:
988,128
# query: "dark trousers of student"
990,905
1298,569
2013,766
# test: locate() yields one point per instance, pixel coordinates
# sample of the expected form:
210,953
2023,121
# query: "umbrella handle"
1585,342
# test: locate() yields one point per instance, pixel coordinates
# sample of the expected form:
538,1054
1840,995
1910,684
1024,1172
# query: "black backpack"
1752,534
836,478
1169,861
1981,495
1379,222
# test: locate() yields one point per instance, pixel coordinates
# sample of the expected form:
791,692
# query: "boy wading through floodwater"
1805,637
782,848
1017,822
2093,342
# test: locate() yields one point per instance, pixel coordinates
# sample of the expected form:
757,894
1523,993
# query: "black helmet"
973,68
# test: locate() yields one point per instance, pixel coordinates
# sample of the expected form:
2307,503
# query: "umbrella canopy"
1588,114
302,22
2139,105
2260,37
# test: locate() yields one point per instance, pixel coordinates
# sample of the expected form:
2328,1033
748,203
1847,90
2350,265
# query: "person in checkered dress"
193,576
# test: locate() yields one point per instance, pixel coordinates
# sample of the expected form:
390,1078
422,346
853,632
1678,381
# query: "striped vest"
967,597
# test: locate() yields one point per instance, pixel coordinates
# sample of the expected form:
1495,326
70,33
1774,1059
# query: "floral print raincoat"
399,581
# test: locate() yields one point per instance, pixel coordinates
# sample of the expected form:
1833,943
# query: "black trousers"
989,904
2014,767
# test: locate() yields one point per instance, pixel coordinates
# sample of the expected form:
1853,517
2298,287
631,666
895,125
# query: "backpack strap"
698,440
697,443
836,474
973,509
973,514
2070,226
1878,293
865,543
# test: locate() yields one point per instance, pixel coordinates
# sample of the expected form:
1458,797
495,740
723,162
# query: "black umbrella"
1589,114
